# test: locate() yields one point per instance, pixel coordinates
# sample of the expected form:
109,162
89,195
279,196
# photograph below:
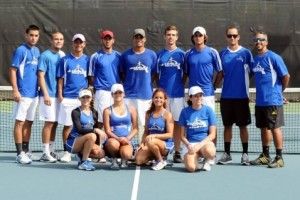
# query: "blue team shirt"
268,70
200,67
120,125
48,63
86,121
74,72
170,71
236,68
158,126
138,69
197,122
25,59
104,67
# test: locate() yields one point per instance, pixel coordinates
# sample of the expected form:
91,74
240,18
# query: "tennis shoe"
158,165
245,159
213,161
66,157
177,157
32,156
123,164
277,162
47,158
206,165
225,159
86,165
54,155
22,158
114,164
261,160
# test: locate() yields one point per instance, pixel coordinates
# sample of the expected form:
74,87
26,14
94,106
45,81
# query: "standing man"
234,104
271,78
104,71
137,66
72,77
171,78
23,78
201,62
48,64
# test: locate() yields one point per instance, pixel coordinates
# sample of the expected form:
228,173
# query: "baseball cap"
200,30
78,36
139,31
195,90
117,87
85,92
107,33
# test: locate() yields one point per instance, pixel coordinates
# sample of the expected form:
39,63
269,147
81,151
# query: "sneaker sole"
224,163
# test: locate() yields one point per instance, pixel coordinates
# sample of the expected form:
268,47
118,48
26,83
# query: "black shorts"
269,117
235,111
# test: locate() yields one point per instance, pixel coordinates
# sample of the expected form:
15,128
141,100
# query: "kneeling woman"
85,138
198,130
157,139
120,124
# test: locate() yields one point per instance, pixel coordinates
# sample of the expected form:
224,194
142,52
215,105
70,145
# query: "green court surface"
63,181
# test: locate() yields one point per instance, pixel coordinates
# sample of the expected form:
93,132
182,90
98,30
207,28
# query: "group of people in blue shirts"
106,100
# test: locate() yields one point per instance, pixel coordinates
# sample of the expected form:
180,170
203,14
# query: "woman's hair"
152,107
189,102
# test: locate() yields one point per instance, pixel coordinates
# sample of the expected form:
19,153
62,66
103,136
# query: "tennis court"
63,181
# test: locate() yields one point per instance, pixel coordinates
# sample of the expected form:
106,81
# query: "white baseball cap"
195,90
78,36
85,92
117,87
199,29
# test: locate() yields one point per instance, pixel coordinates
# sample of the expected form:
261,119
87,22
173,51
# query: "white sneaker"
66,157
158,165
245,159
114,164
32,156
47,158
206,166
225,159
123,163
213,161
22,158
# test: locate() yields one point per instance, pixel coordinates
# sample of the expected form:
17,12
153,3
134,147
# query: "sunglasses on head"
259,39
232,36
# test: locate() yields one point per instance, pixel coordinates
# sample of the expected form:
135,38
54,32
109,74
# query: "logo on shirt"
155,127
259,68
77,70
34,61
139,67
171,63
88,125
240,58
197,123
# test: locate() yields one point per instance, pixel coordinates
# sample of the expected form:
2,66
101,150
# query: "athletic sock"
266,151
51,146
46,148
65,147
227,147
279,152
18,148
245,147
25,146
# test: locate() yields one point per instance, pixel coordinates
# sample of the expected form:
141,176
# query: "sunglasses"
232,36
259,39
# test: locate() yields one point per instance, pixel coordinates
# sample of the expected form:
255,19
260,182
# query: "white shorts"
65,109
185,149
49,113
141,107
209,101
175,105
103,99
25,109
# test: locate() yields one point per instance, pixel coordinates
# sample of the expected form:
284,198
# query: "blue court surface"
64,181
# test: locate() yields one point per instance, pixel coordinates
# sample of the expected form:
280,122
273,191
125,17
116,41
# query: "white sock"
46,149
51,146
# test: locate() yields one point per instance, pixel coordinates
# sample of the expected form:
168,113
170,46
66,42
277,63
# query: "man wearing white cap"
137,67
200,63
104,72
72,77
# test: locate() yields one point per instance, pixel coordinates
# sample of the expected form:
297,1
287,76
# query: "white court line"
136,183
